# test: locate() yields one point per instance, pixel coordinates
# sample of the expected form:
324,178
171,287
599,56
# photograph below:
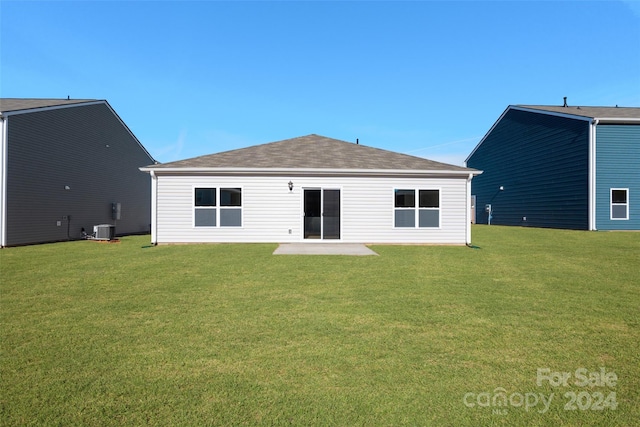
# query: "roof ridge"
614,114
572,106
311,152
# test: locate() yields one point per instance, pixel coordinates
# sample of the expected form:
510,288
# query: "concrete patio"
356,249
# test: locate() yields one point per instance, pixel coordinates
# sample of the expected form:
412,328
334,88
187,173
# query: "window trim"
612,204
416,208
217,207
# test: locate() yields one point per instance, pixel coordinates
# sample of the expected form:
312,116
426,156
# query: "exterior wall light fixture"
290,186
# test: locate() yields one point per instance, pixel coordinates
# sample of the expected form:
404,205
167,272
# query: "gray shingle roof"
17,104
311,152
592,112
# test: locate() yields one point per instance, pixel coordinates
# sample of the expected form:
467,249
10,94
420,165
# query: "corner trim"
592,174
4,124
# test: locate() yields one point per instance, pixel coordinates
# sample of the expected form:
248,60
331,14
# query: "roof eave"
570,115
617,120
308,171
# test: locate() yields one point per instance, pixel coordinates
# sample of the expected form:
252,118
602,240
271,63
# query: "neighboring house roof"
18,104
618,113
309,152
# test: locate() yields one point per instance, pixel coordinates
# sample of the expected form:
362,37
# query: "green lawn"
128,334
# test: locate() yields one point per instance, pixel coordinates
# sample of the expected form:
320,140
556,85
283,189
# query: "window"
405,203
205,211
619,203
425,215
230,207
214,208
429,208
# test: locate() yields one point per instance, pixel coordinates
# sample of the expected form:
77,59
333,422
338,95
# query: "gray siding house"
67,165
560,167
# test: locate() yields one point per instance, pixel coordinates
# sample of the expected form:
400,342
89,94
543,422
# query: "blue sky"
423,78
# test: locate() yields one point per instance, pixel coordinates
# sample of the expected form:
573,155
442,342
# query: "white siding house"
310,189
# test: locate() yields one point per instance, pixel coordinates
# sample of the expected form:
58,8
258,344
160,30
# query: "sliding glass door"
322,214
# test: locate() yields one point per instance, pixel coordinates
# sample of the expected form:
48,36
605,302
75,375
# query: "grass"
128,334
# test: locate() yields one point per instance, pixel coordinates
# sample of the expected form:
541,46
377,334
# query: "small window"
619,203
230,211
405,213
429,209
205,212
425,215
213,208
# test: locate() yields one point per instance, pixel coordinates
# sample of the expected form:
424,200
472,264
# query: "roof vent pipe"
565,102
357,141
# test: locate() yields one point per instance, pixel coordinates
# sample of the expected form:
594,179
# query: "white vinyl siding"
273,213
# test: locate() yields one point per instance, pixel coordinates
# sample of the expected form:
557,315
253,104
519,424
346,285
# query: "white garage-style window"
416,208
215,207
619,203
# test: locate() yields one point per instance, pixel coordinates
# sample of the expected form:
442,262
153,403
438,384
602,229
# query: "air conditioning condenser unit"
104,232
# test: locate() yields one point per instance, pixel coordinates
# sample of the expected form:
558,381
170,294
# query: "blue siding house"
560,167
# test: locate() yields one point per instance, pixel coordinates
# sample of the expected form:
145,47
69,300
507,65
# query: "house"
310,189
66,166
560,167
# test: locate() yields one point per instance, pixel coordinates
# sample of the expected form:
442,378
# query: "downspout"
3,180
468,211
154,210
592,174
